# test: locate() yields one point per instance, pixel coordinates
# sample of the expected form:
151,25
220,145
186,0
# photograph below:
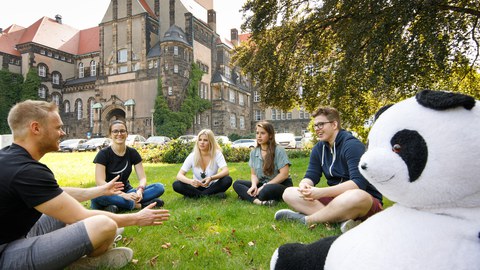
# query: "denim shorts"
49,245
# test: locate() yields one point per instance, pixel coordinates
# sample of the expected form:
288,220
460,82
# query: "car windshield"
70,141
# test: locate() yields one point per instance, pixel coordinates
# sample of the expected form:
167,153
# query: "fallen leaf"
166,245
274,227
134,261
153,261
227,250
251,243
195,253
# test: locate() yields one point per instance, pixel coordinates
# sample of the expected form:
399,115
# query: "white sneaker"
349,224
112,259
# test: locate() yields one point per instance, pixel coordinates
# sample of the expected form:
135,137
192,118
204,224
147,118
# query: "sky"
89,13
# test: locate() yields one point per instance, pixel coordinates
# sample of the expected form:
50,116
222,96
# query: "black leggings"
190,191
269,192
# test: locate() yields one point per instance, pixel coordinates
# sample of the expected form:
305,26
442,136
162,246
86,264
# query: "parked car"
246,143
95,144
187,138
156,140
223,139
71,145
286,140
135,140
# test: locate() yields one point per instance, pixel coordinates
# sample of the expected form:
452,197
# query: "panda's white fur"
435,222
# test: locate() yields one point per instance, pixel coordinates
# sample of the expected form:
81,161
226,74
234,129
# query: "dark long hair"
269,160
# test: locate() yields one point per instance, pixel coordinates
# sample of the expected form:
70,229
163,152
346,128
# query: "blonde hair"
25,112
213,147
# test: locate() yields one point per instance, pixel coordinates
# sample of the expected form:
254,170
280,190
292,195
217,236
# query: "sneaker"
111,208
287,214
114,258
269,203
349,224
159,202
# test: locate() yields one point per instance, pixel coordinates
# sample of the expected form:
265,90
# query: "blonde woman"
209,169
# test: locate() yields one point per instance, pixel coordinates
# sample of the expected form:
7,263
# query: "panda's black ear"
380,111
441,100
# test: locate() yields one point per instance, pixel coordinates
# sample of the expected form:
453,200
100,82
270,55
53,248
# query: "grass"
207,233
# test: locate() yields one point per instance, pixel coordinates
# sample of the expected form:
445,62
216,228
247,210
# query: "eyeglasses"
320,125
203,174
121,131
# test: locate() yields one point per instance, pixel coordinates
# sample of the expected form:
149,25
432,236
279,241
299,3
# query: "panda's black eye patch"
396,148
412,148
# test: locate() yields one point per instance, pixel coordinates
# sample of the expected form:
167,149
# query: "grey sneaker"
349,224
287,214
114,258
269,203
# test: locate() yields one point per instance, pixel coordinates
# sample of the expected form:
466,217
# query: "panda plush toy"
424,155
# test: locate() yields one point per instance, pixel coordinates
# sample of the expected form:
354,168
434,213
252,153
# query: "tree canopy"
358,55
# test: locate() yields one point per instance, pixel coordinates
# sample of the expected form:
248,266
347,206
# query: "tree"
31,85
10,85
175,123
358,55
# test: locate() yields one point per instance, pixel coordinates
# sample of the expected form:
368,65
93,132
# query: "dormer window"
81,73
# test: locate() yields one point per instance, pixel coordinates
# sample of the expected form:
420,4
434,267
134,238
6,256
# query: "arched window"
56,98
66,106
79,108
80,70
42,70
93,68
56,77
91,102
42,92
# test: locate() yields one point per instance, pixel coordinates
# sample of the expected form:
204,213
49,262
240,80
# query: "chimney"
212,19
234,36
58,18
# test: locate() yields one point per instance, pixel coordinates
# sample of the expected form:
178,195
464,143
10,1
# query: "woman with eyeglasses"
210,174
115,163
269,170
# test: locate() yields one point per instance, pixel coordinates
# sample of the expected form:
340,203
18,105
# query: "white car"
246,143
135,140
222,139
287,140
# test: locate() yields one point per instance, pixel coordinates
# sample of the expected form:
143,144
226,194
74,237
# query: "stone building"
111,71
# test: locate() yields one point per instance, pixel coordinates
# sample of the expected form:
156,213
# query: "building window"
56,78
79,109
175,50
42,92
274,114
122,56
289,115
256,96
122,69
258,115
80,70
56,99
170,90
233,121
282,115
228,72
242,122
66,106
240,99
93,68
42,71
175,68
231,97
42,52
90,111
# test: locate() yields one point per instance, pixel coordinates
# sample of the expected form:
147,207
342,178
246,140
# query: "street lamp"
153,128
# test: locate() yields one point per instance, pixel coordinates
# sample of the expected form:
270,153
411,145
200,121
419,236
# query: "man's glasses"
320,125
203,174
117,131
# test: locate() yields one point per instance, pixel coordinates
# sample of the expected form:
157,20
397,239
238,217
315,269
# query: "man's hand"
310,193
148,216
113,187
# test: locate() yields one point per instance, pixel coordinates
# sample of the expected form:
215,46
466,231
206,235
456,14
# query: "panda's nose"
363,165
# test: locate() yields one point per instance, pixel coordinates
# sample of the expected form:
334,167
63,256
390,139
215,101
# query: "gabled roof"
196,9
147,8
9,39
48,32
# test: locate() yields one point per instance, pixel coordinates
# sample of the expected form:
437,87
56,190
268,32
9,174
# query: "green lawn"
207,233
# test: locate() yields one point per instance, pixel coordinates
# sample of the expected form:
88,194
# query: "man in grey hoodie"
349,198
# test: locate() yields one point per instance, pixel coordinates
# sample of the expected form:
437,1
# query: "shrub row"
177,151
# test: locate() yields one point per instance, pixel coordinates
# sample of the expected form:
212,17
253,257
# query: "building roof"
9,39
175,33
50,33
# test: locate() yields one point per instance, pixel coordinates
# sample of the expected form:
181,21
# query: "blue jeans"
151,191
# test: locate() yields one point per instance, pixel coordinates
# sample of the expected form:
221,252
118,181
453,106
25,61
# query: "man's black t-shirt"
118,165
24,184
